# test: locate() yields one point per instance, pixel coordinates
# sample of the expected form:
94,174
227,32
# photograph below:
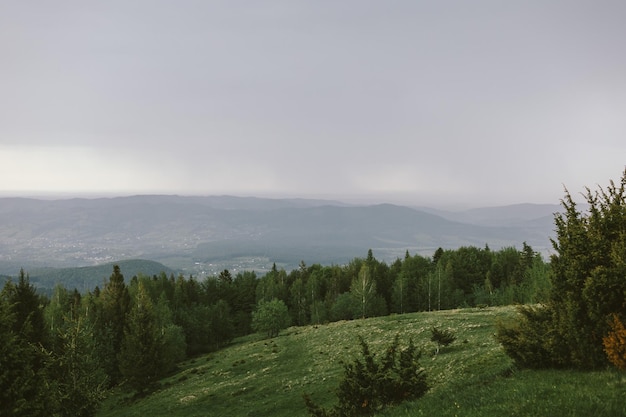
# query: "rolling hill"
202,235
86,278
472,377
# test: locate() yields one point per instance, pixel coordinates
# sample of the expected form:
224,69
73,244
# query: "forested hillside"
133,331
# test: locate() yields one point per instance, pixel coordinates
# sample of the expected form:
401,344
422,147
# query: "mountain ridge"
200,234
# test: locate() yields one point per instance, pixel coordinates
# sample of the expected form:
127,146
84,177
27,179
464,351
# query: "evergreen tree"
442,337
588,285
140,357
24,385
315,293
244,301
75,371
222,328
114,305
300,307
171,336
27,306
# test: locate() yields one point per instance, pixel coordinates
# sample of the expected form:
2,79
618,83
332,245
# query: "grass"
471,377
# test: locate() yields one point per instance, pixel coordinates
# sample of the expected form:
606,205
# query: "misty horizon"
419,103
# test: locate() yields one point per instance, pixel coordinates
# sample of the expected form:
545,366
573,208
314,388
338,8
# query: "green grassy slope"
471,377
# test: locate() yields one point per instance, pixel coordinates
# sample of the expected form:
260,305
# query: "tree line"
66,350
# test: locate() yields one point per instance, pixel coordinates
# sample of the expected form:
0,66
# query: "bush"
368,386
526,340
442,337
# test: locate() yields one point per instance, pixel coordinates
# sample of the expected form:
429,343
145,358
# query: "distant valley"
204,235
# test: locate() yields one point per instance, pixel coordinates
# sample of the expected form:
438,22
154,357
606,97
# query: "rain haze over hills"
445,104
326,129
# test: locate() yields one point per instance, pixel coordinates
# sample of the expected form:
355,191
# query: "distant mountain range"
203,235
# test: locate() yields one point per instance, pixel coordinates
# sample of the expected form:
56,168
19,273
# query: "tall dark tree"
140,356
75,371
28,307
244,301
588,286
114,303
590,271
24,384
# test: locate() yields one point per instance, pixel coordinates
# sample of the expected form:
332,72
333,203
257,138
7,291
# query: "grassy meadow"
471,377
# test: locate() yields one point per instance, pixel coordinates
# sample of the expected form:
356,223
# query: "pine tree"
114,305
442,337
24,385
588,286
79,378
27,307
589,272
140,357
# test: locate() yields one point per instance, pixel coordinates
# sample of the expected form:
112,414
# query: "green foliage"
23,383
528,339
344,307
139,357
368,386
74,370
363,289
442,337
113,307
152,344
270,317
27,307
588,287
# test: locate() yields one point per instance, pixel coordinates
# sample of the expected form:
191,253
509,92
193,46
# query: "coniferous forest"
60,354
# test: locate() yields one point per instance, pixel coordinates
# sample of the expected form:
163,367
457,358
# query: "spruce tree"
79,378
588,286
114,305
140,358
25,387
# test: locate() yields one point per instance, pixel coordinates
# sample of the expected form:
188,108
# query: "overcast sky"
467,103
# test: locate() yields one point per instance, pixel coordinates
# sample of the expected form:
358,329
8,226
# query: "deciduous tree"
270,317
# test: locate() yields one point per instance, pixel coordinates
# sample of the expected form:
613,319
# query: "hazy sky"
466,103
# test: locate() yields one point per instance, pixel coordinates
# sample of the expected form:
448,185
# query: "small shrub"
615,343
442,337
529,340
368,386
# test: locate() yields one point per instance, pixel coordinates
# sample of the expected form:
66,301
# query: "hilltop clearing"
471,377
